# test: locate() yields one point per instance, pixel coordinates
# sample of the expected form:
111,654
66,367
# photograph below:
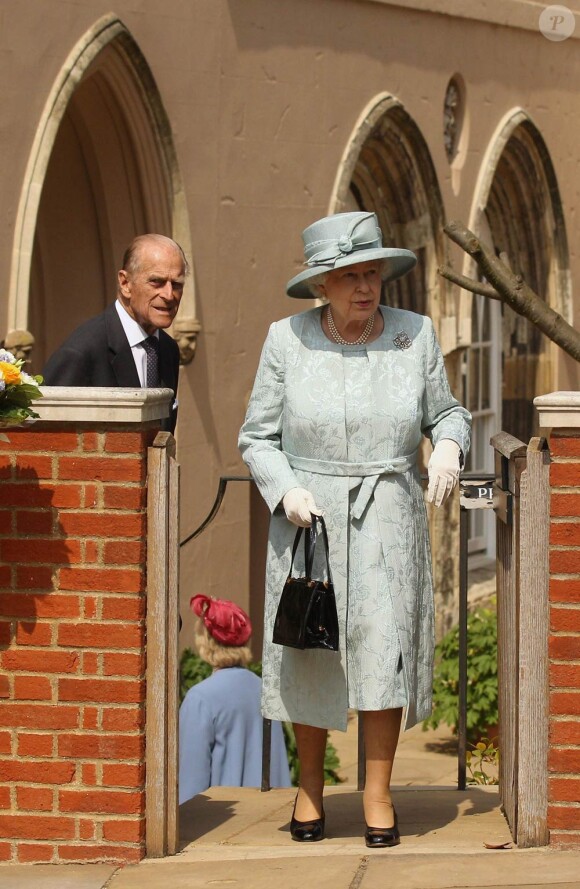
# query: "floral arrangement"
17,390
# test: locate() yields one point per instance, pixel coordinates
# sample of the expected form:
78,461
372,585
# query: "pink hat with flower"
225,621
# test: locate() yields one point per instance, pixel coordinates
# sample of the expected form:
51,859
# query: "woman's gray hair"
314,285
315,282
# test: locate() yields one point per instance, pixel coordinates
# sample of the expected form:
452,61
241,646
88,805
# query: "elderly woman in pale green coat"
343,395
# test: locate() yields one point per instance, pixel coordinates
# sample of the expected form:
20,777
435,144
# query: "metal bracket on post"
223,483
266,753
474,493
462,715
503,504
361,763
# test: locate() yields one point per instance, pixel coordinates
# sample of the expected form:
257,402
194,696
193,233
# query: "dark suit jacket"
98,354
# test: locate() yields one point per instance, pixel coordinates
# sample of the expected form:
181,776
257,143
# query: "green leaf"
481,679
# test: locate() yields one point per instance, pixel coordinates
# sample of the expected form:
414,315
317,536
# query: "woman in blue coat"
343,396
220,725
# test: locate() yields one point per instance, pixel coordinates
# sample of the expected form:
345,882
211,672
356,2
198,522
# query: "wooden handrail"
507,445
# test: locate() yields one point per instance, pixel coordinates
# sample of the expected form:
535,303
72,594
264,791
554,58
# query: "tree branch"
513,290
468,283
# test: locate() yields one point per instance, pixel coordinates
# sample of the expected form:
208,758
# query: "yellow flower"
10,372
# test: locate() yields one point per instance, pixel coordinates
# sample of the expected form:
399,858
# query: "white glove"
443,469
298,504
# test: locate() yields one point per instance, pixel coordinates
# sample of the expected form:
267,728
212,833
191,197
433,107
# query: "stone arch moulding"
368,119
560,279
385,152
132,69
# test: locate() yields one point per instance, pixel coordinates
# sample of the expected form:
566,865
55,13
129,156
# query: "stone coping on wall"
507,13
102,404
559,410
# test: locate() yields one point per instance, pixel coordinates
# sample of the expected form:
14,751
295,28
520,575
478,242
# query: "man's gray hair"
132,255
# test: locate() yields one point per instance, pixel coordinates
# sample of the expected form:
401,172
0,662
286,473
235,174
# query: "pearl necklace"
340,340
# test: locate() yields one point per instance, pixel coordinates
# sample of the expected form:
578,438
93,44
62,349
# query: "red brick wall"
72,659
564,645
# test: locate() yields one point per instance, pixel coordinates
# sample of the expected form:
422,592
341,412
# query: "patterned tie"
151,346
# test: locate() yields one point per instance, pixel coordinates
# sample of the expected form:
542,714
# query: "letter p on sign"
557,23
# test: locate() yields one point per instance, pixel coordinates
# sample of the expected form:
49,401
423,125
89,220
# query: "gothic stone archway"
101,170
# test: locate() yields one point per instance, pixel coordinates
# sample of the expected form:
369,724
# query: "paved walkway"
239,838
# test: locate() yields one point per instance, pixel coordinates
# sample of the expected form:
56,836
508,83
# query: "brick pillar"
72,610
560,412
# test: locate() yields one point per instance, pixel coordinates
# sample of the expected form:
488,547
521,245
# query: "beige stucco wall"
262,97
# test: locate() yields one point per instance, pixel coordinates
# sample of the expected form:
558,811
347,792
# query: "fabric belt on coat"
366,474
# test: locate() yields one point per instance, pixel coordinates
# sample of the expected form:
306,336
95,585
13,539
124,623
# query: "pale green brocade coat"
345,422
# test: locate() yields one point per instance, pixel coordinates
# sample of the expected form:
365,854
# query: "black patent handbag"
306,615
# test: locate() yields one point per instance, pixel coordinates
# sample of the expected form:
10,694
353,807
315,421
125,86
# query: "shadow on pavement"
245,817
201,815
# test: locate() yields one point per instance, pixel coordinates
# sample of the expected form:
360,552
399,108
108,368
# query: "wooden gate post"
510,457
162,825
532,795
522,507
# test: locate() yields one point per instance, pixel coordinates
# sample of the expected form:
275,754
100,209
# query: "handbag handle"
310,539
309,545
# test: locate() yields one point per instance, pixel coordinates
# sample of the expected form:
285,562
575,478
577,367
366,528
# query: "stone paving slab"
274,873
517,868
375,869
55,876
223,820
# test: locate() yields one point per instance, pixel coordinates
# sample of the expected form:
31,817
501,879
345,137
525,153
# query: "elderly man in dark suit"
126,345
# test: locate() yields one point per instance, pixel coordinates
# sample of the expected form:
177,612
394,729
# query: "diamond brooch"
402,340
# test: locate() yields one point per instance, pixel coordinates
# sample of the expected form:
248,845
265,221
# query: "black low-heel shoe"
307,831
382,837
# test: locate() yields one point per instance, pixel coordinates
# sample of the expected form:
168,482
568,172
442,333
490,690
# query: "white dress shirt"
135,335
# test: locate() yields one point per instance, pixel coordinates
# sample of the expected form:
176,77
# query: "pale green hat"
345,239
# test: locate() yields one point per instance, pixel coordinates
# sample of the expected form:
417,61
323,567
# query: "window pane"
486,311
474,379
474,319
485,380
